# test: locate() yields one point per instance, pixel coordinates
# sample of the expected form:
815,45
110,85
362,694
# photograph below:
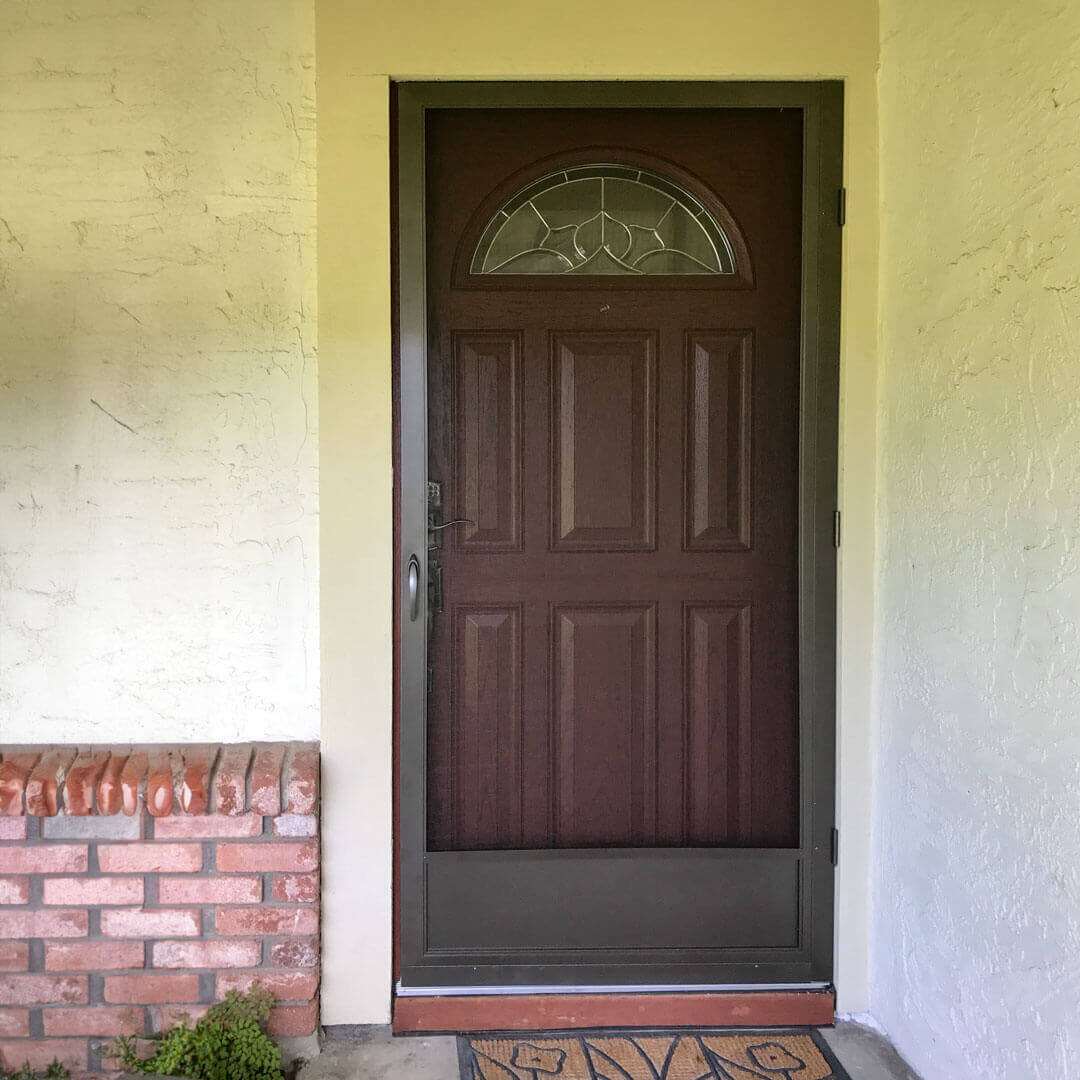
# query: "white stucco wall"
158,399
976,943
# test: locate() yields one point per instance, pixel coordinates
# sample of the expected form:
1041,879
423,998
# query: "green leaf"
228,1043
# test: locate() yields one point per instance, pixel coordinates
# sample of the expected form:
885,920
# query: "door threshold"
569,1008
682,988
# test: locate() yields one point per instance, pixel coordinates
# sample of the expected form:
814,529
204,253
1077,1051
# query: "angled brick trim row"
237,779
141,884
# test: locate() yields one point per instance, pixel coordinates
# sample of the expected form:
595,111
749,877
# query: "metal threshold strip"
682,988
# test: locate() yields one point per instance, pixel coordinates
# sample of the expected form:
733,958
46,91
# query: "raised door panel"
604,725
604,441
717,495
487,445
486,744
719,753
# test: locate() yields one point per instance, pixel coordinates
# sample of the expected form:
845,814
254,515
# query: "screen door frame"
421,969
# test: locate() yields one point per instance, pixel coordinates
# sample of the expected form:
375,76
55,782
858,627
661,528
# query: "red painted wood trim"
556,1012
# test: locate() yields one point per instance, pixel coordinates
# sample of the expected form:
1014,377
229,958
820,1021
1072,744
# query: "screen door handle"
414,588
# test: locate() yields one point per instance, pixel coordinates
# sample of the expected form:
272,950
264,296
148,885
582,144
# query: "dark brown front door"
613,385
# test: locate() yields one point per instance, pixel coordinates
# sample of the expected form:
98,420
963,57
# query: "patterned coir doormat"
787,1054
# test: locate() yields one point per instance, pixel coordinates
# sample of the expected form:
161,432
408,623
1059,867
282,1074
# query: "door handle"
414,587
435,529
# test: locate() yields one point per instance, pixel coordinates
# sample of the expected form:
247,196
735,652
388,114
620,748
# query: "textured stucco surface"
976,948
158,399
157,331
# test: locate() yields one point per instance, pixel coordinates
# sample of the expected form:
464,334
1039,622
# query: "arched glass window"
603,220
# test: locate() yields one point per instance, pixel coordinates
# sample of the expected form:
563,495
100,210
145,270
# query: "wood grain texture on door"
615,662
486,748
604,725
718,779
487,462
717,409
603,396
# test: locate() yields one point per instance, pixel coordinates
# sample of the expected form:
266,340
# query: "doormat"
769,1054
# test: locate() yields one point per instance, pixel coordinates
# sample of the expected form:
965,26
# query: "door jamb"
822,106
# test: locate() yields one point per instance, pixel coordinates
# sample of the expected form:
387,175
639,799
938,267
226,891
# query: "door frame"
821,103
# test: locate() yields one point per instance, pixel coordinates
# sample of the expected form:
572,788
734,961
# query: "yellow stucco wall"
158,397
360,47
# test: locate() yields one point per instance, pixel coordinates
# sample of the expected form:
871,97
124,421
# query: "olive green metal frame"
422,968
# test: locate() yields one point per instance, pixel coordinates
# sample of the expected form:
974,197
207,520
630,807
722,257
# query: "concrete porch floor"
372,1053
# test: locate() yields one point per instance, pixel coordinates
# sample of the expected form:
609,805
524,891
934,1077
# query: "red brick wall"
121,909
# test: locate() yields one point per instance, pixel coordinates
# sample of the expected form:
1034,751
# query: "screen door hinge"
836,529
841,206
834,846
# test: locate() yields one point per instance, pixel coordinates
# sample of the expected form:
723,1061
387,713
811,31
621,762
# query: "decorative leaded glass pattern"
603,220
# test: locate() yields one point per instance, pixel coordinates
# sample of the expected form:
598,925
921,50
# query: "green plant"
55,1071
228,1043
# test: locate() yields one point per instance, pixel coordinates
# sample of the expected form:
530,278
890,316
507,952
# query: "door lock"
435,597
435,527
